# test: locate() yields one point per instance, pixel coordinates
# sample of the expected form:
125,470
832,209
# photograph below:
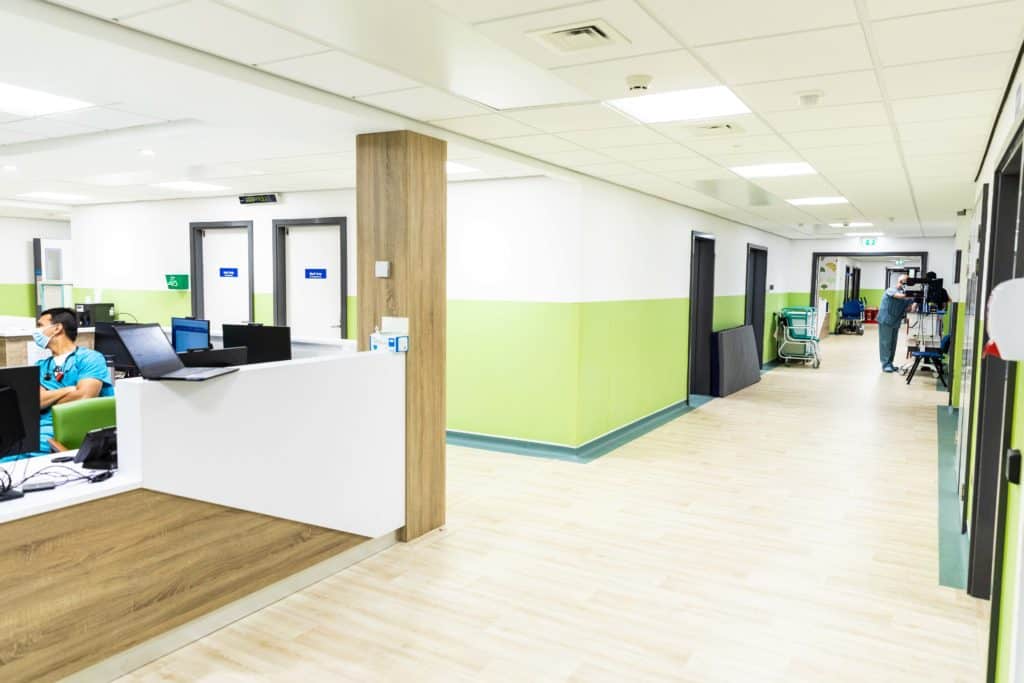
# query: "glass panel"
53,264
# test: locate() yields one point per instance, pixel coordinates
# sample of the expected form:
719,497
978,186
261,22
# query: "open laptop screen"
149,348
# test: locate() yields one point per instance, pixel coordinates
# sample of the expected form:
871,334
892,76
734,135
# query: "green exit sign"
870,241
177,282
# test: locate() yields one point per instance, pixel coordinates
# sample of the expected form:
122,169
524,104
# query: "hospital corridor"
787,533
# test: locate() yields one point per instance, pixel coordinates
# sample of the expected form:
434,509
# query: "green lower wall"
632,361
263,308
157,306
955,352
513,369
872,296
1011,546
730,311
18,300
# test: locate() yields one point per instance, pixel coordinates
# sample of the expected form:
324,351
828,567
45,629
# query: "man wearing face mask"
70,374
891,312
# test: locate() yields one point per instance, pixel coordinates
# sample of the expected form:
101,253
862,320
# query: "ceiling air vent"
587,35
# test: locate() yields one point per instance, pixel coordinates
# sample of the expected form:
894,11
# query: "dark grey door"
757,284
702,308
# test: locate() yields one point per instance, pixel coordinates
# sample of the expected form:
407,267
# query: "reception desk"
17,346
230,494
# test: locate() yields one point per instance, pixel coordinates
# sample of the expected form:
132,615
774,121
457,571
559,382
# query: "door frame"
696,236
280,256
984,559
748,303
195,236
854,254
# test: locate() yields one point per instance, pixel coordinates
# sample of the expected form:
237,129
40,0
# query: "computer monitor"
188,334
265,343
109,344
148,347
19,410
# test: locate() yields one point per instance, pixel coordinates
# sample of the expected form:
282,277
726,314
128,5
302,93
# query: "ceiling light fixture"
28,102
147,153
9,168
455,168
681,105
852,224
864,234
189,186
63,197
774,170
818,201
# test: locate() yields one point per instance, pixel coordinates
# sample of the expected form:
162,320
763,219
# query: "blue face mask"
42,341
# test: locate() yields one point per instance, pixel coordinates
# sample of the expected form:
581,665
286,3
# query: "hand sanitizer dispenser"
1005,322
394,337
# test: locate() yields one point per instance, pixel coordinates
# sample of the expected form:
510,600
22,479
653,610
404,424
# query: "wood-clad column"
401,211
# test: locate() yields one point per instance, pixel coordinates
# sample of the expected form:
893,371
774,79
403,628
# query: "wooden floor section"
786,533
86,582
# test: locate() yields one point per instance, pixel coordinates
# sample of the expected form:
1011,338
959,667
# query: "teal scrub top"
81,364
892,310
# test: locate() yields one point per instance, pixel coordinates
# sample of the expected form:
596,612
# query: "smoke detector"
586,35
638,82
810,98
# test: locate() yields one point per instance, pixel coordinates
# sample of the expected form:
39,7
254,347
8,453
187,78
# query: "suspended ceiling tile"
691,163
474,11
983,72
10,136
839,154
213,28
486,126
693,177
963,165
754,158
885,9
751,144
700,23
823,118
582,157
944,35
102,118
624,136
666,150
536,144
739,125
114,9
425,104
853,87
830,50
974,129
797,186
605,80
312,162
839,137
981,104
340,73
641,33
570,117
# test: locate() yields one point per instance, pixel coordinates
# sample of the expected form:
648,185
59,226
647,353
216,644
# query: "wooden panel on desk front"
401,208
83,583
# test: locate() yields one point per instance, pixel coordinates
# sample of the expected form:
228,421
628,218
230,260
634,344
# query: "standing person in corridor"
891,312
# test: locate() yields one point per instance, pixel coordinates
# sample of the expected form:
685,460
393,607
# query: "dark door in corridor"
702,306
757,284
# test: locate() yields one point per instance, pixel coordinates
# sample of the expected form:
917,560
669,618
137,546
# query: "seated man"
70,374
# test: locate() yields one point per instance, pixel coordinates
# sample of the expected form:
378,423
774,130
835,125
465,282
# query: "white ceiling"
909,92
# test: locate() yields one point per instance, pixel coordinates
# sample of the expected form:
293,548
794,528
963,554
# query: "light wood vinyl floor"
786,533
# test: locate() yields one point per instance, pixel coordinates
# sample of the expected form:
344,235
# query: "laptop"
155,357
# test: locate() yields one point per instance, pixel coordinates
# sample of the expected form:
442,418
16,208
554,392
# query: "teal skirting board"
588,452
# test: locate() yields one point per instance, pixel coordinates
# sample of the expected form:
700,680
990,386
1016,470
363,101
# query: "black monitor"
188,334
265,343
148,347
19,410
110,345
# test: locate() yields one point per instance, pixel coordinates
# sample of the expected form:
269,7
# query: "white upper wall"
16,235
132,246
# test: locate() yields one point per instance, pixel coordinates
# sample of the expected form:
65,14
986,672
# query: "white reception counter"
319,440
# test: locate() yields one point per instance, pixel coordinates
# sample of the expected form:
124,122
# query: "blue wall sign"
229,272
316,273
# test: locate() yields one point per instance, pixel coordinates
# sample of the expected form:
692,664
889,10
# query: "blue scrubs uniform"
80,364
890,314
